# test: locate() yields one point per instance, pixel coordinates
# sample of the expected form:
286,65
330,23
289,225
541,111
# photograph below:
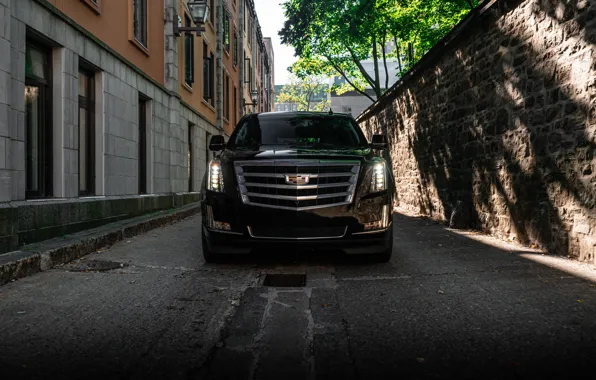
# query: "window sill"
140,46
227,52
45,199
235,67
226,121
208,105
187,87
211,26
95,7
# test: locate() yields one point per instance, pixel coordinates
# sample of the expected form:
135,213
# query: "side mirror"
217,143
379,142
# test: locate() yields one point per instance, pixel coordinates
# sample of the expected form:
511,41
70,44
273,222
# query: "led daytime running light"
215,182
378,177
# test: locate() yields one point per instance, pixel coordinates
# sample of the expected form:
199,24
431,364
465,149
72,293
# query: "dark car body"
297,196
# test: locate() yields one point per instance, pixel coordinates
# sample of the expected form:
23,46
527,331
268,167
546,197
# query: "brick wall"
500,118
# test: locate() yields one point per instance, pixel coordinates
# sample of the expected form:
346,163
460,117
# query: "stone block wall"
495,129
118,87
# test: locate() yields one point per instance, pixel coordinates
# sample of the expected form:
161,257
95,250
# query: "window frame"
138,42
45,139
87,102
212,11
94,5
143,106
227,38
235,52
208,76
226,97
189,55
190,158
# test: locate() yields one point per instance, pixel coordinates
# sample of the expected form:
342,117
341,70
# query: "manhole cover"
285,280
94,266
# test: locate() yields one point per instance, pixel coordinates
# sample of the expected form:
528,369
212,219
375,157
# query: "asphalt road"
449,305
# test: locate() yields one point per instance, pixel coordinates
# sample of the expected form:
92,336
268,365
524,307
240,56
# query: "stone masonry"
495,129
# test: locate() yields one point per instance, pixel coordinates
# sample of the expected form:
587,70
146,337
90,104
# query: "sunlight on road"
585,271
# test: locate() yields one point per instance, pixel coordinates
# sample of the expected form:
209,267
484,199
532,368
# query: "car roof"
299,113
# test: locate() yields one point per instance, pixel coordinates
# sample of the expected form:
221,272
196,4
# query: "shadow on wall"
500,133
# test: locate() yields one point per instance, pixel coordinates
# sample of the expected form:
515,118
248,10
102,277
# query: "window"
38,133
236,40
142,146
140,21
212,11
247,71
208,75
227,41
86,132
235,109
226,95
189,55
249,29
190,158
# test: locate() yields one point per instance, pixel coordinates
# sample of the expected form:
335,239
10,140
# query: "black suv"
297,179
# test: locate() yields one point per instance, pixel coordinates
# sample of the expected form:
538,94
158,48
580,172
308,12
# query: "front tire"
385,256
208,255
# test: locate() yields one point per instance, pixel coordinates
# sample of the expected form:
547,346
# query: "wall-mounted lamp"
254,96
199,11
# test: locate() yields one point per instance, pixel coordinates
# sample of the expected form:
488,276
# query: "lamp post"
199,11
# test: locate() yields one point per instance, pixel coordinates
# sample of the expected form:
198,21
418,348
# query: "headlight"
379,180
215,179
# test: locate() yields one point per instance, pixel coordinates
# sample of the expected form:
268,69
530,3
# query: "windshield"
298,130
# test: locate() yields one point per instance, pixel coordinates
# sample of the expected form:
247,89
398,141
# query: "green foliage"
332,37
309,92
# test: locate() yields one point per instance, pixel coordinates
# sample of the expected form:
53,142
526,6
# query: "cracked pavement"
449,304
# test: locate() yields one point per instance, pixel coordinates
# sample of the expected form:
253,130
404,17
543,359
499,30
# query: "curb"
45,255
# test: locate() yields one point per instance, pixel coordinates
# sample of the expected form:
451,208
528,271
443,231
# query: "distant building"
355,103
270,88
258,62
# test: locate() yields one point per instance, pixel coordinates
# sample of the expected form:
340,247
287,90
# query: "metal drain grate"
285,280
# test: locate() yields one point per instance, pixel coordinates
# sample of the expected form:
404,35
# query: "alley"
450,304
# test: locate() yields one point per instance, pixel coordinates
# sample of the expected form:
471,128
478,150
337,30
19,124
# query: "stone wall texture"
495,129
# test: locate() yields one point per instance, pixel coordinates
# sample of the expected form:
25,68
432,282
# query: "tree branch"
385,60
398,53
342,73
368,78
377,86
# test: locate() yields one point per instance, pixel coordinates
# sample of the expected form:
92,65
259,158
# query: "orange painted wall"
194,95
229,68
113,25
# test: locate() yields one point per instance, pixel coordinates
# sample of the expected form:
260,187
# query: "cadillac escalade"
294,180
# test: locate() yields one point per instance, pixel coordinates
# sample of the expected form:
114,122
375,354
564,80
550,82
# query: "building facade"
105,112
257,74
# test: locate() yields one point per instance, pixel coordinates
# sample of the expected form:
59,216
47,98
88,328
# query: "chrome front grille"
297,184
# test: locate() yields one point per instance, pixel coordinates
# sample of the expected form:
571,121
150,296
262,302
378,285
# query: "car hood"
284,152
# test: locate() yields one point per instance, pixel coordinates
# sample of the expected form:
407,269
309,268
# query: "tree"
337,35
309,92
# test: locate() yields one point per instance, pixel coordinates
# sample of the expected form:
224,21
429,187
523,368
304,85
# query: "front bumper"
248,226
226,243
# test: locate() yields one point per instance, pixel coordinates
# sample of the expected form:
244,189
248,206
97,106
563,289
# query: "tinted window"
296,130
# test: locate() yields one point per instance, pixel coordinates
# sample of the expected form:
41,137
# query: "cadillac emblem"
297,180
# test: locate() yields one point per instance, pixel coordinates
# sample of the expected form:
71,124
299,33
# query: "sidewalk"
38,257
